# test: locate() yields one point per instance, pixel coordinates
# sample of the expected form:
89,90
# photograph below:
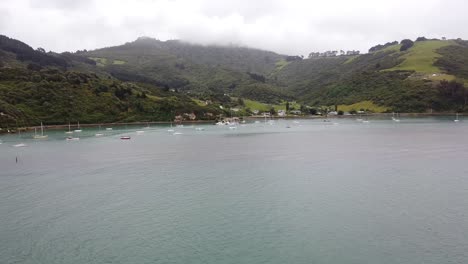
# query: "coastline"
74,126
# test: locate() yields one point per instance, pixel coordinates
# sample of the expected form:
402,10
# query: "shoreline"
357,115
74,126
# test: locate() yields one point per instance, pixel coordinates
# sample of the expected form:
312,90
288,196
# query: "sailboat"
19,145
69,129
366,120
170,130
456,118
79,129
41,136
360,118
395,118
99,134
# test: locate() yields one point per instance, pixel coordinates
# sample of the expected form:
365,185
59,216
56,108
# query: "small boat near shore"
41,136
79,129
72,138
125,137
69,129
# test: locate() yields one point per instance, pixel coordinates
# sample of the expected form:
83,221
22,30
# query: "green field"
422,55
366,105
199,102
392,48
281,64
119,62
255,105
99,61
350,59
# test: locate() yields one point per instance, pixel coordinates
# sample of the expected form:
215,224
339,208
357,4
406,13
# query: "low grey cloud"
289,27
61,4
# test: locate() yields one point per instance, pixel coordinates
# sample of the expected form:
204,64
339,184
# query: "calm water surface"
381,192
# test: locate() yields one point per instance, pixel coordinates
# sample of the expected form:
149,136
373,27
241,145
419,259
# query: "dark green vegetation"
57,97
454,59
150,80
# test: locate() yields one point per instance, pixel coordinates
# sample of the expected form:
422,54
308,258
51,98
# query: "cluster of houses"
334,53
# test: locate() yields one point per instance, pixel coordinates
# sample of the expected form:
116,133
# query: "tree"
340,112
240,101
406,44
421,39
287,106
313,111
303,108
272,111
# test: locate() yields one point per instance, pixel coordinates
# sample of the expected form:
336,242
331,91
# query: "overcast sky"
284,26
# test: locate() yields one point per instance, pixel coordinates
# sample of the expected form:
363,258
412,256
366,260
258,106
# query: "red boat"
125,137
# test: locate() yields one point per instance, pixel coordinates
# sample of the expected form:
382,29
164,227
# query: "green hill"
396,80
148,80
201,70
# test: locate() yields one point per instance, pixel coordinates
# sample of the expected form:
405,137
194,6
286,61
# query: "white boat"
41,136
69,129
395,119
232,127
139,132
456,118
79,129
108,128
99,134
360,118
20,145
177,133
72,138
199,129
170,130
125,137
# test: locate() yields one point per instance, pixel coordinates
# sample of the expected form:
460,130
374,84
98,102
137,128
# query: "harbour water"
303,191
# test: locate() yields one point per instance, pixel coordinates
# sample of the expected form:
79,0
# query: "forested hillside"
149,80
